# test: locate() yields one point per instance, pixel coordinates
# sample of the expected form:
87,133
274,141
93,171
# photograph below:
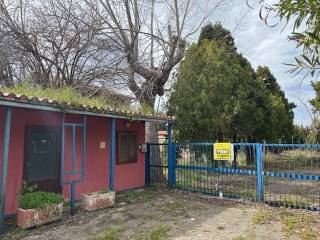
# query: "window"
127,147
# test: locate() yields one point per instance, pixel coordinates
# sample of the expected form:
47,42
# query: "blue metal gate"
279,174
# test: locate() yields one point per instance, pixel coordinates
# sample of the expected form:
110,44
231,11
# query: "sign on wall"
223,151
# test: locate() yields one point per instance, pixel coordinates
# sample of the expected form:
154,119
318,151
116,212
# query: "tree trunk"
146,96
158,155
151,132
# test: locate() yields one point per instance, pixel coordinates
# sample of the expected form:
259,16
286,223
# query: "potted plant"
98,200
38,207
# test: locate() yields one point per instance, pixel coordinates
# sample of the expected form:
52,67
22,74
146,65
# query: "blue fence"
279,174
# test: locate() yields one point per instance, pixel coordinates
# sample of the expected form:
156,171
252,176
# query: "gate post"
148,167
259,160
171,158
173,162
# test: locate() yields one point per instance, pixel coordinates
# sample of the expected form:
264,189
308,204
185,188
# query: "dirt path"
149,215
231,223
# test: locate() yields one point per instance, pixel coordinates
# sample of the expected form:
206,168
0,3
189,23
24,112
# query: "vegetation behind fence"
289,173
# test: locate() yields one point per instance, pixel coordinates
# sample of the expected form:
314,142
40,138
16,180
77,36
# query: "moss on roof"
64,94
68,97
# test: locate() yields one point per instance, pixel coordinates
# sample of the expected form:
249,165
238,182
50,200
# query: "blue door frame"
73,171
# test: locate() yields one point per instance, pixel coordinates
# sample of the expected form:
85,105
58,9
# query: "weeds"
14,231
64,94
239,238
158,232
263,216
299,224
71,95
109,234
296,224
174,205
136,196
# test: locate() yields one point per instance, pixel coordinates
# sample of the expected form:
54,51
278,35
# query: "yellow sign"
223,151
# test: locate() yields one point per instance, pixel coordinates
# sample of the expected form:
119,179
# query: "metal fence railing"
157,173
278,174
292,175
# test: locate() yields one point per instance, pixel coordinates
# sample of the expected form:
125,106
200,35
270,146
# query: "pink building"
68,149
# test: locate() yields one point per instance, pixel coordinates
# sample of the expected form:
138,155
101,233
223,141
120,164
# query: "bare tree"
132,44
58,43
152,35
15,25
6,71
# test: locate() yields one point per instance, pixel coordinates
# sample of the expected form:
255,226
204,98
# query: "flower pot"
97,200
35,217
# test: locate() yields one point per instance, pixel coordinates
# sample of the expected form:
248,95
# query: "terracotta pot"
35,217
97,200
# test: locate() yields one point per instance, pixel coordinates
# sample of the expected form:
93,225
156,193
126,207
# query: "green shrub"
38,199
27,188
104,190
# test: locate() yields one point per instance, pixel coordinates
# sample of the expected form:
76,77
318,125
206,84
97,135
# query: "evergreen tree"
282,109
216,32
264,75
215,97
316,101
218,96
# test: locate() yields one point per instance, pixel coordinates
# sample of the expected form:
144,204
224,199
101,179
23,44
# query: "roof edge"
13,100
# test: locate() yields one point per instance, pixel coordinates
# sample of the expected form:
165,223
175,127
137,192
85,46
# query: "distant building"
162,136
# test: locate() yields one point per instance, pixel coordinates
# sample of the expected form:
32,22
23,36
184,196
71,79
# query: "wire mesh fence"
158,171
197,170
290,173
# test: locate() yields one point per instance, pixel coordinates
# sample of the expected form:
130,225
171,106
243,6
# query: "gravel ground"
150,215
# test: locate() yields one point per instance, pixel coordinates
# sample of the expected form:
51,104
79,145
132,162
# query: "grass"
296,224
297,191
263,216
172,206
290,200
303,159
109,234
69,95
300,224
239,238
13,231
232,185
298,202
158,232
136,196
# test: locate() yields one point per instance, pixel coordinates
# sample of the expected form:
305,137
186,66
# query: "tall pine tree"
218,96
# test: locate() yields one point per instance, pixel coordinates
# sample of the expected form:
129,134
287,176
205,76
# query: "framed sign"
223,151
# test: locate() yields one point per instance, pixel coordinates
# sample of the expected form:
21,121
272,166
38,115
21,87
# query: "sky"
268,46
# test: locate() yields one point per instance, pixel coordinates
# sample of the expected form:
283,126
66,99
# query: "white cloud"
268,46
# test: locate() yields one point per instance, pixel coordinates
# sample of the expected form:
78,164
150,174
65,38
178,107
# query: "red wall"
131,175
127,176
